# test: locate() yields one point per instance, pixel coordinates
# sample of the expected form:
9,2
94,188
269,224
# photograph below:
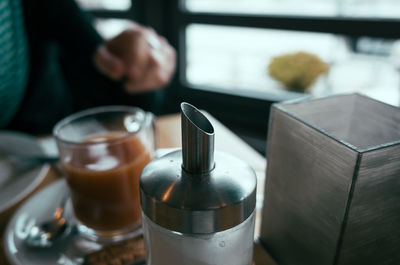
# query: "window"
110,27
228,45
353,8
237,58
111,16
105,4
225,48
234,58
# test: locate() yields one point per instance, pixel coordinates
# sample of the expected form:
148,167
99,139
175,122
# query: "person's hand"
140,57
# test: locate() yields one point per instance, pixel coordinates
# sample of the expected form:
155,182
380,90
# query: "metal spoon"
47,233
30,158
24,147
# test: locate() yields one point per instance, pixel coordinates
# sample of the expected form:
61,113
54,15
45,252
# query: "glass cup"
103,152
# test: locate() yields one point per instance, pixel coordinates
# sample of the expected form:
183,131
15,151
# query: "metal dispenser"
198,209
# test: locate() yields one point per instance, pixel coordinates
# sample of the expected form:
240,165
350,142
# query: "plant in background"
297,71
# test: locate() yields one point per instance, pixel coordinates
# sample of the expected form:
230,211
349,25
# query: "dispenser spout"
197,140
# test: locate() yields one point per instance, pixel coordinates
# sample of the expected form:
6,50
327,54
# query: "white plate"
18,178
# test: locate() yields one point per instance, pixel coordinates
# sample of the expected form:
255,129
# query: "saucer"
69,250
18,178
36,209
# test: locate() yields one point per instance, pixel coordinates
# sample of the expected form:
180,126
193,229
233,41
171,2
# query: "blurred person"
53,62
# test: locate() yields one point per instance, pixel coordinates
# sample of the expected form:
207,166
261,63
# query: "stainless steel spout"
197,140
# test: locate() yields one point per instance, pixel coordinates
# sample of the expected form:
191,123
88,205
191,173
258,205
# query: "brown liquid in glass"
104,182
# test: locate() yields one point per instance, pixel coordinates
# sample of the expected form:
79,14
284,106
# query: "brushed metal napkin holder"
332,192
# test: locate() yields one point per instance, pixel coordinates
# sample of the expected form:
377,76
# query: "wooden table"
169,136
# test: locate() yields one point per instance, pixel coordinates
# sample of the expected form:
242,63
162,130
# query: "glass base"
108,237
98,236
233,246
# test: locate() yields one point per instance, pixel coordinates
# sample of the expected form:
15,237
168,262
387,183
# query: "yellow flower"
297,71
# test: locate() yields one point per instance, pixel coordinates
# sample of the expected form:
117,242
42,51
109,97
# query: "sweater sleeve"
71,27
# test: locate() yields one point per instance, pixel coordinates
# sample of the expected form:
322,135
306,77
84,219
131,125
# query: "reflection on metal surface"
197,140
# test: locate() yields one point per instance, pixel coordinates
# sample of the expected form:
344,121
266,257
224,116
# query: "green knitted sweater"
13,59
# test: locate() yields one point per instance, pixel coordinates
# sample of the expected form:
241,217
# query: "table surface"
168,130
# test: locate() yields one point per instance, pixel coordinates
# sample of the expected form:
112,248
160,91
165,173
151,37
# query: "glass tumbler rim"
89,112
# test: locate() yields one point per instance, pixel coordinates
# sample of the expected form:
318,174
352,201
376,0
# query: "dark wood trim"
383,28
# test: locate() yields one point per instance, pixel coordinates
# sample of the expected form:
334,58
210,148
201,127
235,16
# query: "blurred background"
227,48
